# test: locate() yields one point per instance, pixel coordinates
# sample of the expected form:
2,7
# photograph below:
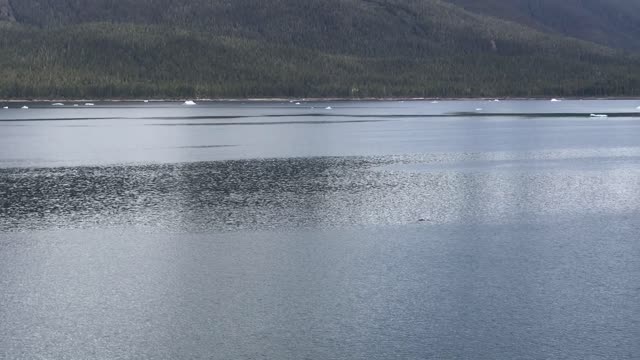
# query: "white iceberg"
496,100
297,103
555,100
146,101
6,107
25,107
328,108
189,102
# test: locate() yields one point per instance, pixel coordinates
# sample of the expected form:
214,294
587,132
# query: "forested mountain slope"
247,48
6,12
614,23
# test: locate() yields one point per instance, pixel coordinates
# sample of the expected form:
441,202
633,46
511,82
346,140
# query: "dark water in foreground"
371,230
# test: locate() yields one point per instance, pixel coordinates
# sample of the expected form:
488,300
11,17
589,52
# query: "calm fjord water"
370,230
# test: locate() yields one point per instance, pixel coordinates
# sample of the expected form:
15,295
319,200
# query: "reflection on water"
276,193
130,133
501,237
561,289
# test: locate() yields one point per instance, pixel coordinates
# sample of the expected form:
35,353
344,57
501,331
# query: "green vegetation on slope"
248,48
614,23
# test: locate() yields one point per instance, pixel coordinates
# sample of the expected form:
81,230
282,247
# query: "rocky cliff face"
6,13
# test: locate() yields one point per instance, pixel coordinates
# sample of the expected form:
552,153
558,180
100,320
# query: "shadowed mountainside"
247,48
6,12
614,23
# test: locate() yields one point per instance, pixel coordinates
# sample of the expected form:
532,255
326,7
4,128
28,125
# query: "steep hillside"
363,27
219,48
6,12
614,23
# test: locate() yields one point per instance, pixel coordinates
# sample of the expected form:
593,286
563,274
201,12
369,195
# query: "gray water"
371,230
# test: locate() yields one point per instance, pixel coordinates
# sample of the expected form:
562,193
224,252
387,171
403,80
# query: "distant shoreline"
258,100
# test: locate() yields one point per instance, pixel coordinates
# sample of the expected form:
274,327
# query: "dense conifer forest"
289,48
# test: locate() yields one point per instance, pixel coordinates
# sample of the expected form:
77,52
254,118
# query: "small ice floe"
555,100
328,108
25,107
599,115
189,102
434,102
297,103
479,109
76,105
57,104
638,108
6,107
496,100
89,104
146,101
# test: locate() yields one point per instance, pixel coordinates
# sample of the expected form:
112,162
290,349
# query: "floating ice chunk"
638,108
25,107
297,103
328,108
496,100
555,100
146,101
89,104
479,109
189,102
434,102
599,115
57,104
6,107
76,105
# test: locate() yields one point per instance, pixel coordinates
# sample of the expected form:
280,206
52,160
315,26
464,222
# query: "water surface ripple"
351,230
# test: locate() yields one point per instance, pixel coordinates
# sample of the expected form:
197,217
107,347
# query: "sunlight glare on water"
375,230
